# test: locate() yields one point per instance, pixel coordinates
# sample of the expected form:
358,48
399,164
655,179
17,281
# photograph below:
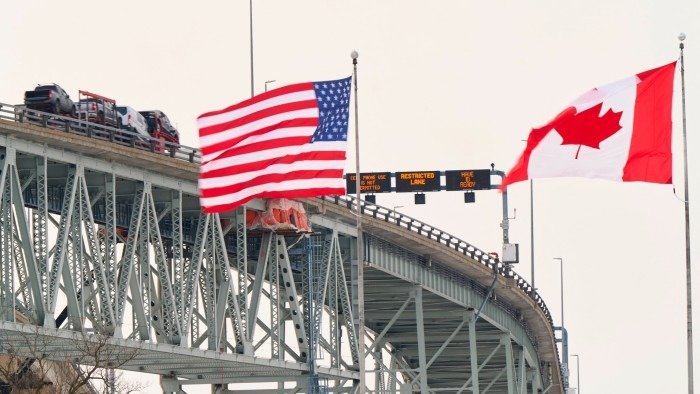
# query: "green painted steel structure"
114,237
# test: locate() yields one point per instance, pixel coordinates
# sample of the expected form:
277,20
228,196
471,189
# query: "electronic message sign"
417,181
467,180
370,182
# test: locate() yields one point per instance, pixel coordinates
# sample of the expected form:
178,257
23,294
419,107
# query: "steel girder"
131,255
125,258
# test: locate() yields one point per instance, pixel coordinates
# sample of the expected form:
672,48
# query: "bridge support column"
522,374
510,365
422,365
535,376
474,362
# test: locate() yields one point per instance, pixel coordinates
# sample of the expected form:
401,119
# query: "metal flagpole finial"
354,55
681,38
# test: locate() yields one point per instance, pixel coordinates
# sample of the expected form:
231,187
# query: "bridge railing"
446,239
21,114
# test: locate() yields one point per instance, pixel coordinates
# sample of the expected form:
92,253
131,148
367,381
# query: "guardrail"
21,114
446,239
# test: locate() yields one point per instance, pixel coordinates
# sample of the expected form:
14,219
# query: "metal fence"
21,114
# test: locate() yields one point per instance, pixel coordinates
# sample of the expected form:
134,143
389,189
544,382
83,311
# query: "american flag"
288,142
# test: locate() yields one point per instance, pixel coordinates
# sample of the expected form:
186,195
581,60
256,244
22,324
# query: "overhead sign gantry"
419,182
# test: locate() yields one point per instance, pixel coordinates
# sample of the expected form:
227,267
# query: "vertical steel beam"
33,280
510,367
7,292
141,321
522,374
378,372
209,290
170,323
536,381
127,260
345,302
100,284
393,373
39,233
68,248
242,267
59,253
142,271
191,275
178,262
331,279
473,354
291,295
422,365
243,344
260,272
276,321
109,249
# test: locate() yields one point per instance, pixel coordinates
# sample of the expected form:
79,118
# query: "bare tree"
35,363
113,382
23,365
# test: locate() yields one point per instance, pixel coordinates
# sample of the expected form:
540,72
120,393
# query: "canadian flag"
620,131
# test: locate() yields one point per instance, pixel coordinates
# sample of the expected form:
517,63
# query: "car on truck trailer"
97,109
50,98
159,126
132,120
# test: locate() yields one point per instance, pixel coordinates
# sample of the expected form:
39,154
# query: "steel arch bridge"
98,237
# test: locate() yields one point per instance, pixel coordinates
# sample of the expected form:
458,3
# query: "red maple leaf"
586,127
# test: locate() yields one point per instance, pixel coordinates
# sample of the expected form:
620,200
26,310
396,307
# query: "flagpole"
688,285
360,252
252,80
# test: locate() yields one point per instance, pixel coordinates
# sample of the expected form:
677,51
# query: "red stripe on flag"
650,158
270,178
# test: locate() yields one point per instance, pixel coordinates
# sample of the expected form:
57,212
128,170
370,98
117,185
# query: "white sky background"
443,85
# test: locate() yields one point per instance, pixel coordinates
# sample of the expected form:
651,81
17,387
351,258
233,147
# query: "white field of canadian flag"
620,131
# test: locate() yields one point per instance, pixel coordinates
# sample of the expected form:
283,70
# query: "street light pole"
578,376
561,265
360,251
532,240
267,82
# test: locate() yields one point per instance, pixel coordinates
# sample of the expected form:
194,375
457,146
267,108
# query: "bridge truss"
93,246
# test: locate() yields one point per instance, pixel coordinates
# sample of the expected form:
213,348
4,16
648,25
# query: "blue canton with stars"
333,98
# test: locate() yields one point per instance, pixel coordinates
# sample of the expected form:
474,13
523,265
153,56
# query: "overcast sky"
442,85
